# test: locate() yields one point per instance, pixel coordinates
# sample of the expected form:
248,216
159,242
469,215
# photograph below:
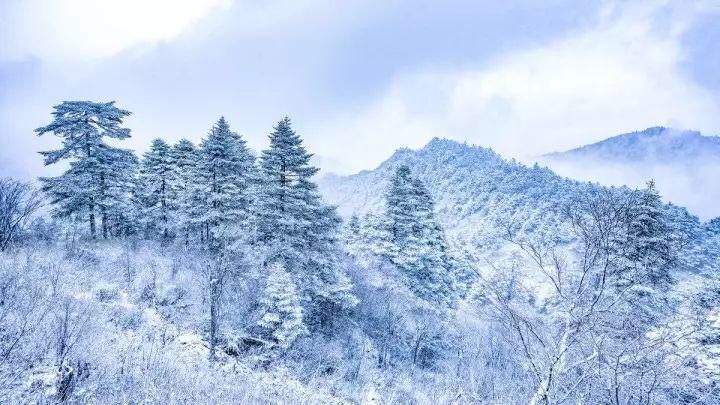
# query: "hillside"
479,195
475,189
135,318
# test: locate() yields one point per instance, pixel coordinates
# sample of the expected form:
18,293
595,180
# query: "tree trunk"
215,290
542,394
104,225
92,221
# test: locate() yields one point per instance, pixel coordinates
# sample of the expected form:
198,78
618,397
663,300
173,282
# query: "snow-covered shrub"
128,317
106,292
170,295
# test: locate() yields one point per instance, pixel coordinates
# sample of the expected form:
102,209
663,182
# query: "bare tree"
598,328
18,202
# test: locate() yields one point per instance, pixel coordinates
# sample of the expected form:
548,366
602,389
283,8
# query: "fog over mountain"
684,165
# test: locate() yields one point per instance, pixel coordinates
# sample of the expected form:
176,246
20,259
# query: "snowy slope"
476,191
479,195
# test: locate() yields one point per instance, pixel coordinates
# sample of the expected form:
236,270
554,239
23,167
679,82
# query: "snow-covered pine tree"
117,182
222,185
642,270
648,246
351,236
401,209
437,264
282,317
375,237
296,228
417,243
155,193
184,157
96,180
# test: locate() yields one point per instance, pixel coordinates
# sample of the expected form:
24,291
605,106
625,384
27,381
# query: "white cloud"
70,29
621,74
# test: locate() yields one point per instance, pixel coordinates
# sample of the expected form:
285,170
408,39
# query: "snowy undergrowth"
126,323
134,334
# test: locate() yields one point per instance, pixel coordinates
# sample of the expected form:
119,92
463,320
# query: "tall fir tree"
296,228
184,157
648,250
352,237
156,195
117,182
416,241
222,186
99,178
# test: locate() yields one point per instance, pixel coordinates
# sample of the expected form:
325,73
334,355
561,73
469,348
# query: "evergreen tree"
184,157
222,181
375,236
401,215
98,179
282,314
643,271
648,250
296,228
117,183
156,195
417,243
352,236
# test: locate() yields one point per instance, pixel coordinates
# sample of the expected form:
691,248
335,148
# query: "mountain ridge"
654,143
479,195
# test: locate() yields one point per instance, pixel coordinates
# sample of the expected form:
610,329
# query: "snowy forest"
213,273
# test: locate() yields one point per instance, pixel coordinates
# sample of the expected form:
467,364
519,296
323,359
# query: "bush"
106,293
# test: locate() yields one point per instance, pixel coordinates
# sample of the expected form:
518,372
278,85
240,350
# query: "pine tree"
117,182
222,185
648,247
641,275
352,236
97,180
416,242
184,157
401,215
296,228
282,314
375,235
156,195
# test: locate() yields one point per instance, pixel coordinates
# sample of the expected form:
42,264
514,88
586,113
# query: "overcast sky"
362,78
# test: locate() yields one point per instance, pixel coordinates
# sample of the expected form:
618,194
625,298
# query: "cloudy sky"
361,78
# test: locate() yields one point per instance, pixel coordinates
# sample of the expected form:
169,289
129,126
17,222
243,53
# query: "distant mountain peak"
441,149
660,144
438,142
684,164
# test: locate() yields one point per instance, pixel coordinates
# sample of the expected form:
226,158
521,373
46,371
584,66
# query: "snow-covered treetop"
82,125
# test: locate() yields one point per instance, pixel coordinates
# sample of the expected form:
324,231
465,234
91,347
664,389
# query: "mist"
689,185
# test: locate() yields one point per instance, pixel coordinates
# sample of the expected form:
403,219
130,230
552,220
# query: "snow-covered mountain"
683,164
474,188
653,144
478,194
